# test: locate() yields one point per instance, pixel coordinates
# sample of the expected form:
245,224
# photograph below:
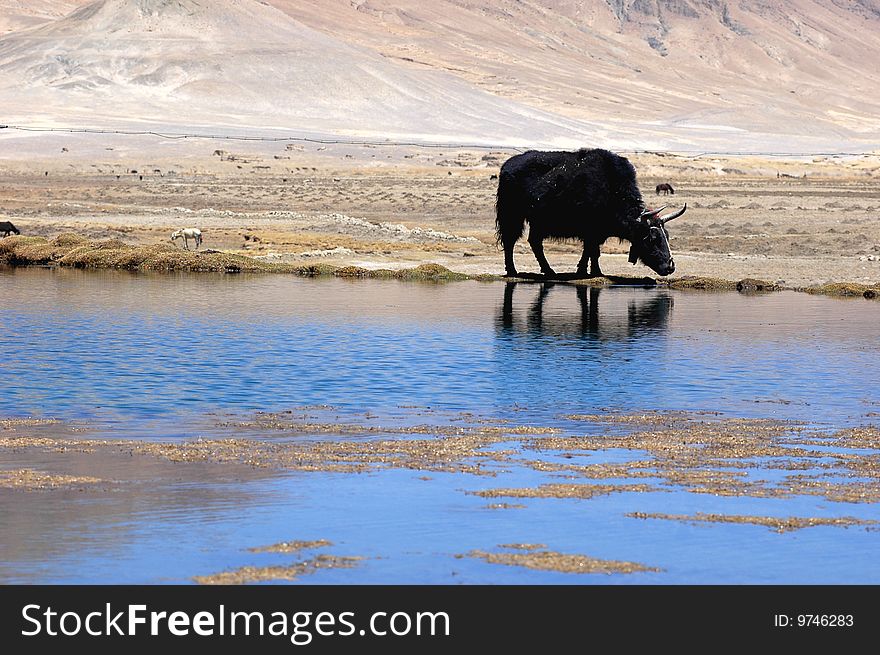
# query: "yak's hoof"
510,273
549,272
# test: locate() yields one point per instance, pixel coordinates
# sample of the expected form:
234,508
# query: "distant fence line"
416,144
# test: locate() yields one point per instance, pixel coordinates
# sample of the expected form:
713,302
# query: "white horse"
187,234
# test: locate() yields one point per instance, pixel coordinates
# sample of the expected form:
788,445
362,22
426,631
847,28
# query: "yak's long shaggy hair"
567,195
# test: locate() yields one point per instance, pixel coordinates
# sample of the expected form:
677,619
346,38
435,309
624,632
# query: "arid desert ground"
789,221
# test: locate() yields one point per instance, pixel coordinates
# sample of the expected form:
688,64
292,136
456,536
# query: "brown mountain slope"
801,68
21,14
240,65
788,75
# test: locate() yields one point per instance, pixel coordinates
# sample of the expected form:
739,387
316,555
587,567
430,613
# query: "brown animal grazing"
665,188
6,227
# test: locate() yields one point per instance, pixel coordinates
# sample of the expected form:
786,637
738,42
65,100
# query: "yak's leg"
595,271
582,270
537,244
509,266
591,255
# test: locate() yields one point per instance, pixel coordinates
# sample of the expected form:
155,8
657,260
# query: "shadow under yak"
613,280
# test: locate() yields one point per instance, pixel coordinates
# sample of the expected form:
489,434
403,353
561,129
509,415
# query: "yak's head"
650,243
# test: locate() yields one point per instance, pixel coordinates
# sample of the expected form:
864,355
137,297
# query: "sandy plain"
793,222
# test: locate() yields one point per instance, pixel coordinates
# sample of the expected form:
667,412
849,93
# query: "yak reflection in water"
622,314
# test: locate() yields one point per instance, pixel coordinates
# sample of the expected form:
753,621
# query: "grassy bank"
76,251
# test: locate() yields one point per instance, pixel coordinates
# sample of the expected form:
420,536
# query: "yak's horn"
669,217
652,212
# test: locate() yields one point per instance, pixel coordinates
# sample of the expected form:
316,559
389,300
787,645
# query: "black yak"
589,195
6,227
666,188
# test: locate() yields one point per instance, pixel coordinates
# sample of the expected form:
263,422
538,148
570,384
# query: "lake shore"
75,251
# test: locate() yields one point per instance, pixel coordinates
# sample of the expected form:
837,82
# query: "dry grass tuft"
752,285
706,283
78,252
845,289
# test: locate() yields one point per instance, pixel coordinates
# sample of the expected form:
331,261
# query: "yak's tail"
509,218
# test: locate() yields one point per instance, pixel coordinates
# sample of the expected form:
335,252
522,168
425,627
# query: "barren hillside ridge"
793,75
242,65
21,14
802,71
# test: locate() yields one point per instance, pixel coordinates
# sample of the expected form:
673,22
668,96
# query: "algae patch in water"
523,546
32,480
546,560
291,546
584,491
441,454
646,418
292,424
726,458
720,457
12,423
248,574
777,524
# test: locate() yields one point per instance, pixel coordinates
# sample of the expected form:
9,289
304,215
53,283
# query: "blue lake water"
163,356
134,348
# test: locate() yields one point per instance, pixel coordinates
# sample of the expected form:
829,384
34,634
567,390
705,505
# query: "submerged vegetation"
286,572
27,479
699,454
775,523
548,560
